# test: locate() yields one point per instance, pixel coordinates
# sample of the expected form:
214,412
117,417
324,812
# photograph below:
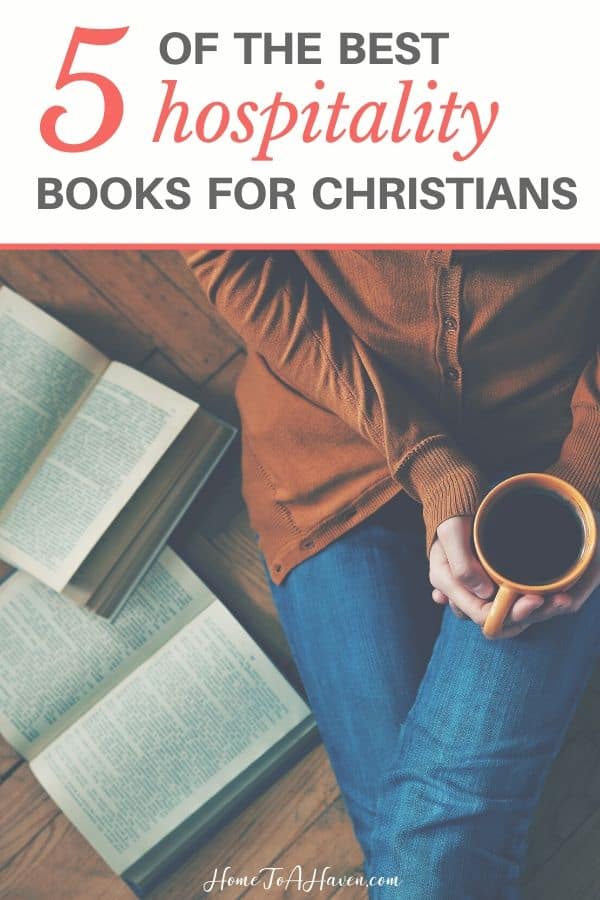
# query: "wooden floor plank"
41,855
574,871
326,850
162,312
45,278
215,394
25,810
571,793
174,267
9,759
58,864
261,832
238,544
570,797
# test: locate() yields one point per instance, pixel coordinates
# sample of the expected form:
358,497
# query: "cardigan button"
306,545
450,323
277,568
452,374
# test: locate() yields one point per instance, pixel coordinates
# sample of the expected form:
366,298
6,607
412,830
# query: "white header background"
537,59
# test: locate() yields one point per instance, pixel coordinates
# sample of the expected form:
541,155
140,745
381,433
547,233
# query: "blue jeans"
440,739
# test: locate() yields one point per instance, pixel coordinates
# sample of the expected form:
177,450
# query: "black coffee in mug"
532,536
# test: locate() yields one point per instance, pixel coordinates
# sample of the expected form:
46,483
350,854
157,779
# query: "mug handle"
501,606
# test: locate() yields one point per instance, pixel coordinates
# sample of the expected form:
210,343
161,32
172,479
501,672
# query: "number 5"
113,101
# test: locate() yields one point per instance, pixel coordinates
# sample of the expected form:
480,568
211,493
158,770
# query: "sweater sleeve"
281,313
579,460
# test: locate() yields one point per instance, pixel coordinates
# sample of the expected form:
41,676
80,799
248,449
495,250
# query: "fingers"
456,610
523,607
443,600
556,605
455,537
459,581
461,601
559,604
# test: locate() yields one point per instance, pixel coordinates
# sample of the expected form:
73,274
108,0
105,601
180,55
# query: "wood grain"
161,312
262,832
573,871
9,760
308,858
25,811
48,280
170,264
571,795
57,863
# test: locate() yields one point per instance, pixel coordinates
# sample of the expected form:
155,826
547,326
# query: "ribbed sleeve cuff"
440,477
579,461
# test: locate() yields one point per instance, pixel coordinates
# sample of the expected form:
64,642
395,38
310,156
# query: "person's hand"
459,580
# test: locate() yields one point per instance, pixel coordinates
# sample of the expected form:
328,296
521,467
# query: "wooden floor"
145,309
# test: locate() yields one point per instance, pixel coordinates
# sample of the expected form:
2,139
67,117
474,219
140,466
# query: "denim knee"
447,820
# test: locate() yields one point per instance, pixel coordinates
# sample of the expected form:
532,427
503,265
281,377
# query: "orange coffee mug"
533,534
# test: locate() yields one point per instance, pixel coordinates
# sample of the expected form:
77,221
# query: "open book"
97,461
150,731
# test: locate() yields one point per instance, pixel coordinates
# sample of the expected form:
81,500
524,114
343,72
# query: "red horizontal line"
299,246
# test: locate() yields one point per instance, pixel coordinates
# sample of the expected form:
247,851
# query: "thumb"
456,539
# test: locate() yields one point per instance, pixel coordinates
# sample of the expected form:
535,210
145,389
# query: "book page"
56,658
169,737
45,369
131,542
118,435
